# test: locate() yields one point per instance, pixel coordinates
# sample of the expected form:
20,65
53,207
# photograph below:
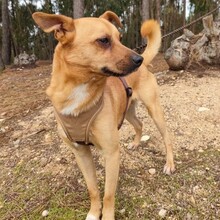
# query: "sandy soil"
31,150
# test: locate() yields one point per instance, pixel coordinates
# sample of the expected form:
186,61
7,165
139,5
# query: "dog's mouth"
125,66
109,72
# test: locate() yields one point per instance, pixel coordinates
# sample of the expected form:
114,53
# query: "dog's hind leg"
137,124
150,97
156,113
85,162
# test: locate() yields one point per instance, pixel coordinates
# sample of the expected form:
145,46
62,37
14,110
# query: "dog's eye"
104,41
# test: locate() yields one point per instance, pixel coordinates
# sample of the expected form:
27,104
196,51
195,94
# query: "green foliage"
65,7
199,8
27,37
23,27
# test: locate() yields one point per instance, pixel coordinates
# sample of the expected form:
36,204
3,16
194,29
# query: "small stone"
152,171
192,147
145,138
45,213
3,114
203,109
195,189
2,119
162,213
3,130
4,154
16,143
43,162
144,205
188,216
192,200
48,138
63,160
122,211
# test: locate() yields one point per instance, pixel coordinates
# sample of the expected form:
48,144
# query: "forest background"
18,33
39,174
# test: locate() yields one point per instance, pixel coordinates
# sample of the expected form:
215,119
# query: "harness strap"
129,92
63,126
90,122
86,142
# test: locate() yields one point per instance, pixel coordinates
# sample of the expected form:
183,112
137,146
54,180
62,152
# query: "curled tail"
151,30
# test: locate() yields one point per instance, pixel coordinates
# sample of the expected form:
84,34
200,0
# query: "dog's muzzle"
125,69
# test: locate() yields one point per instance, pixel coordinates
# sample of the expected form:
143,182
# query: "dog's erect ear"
60,24
112,17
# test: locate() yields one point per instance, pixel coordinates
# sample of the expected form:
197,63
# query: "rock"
203,109
25,59
2,119
192,200
189,34
145,138
43,162
188,216
16,143
3,113
191,49
152,171
177,56
45,213
162,213
17,134
122,211
144,205
48,138
3,130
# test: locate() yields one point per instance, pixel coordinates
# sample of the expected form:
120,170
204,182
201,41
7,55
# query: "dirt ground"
38,172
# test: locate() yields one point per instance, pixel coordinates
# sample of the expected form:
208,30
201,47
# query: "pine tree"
6,38
78,8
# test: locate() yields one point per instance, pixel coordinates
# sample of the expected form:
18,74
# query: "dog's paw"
169,168
91,217
133,145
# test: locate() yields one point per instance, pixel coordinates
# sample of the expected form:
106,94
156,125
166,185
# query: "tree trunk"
2,66
158,10
6,42
184,12
145,10
78,8
6,39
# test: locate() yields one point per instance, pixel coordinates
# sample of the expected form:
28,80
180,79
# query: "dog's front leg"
112,157
85,162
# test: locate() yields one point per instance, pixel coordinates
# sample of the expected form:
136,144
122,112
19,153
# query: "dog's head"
91,43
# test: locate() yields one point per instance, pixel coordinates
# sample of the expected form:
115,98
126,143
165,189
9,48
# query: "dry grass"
39,173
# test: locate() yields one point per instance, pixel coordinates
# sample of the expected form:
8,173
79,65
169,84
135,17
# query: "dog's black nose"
137,59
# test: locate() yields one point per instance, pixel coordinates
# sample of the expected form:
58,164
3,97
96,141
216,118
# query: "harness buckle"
129,91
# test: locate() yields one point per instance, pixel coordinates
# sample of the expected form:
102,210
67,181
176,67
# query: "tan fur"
88,49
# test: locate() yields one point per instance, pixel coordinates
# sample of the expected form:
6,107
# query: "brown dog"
88,55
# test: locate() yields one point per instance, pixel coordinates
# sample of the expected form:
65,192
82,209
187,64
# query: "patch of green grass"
193,190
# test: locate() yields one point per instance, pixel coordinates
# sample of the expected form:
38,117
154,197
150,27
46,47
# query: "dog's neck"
74,92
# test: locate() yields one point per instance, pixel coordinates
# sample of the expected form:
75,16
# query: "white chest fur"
76,98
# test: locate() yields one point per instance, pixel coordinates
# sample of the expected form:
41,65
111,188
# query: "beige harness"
77,128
